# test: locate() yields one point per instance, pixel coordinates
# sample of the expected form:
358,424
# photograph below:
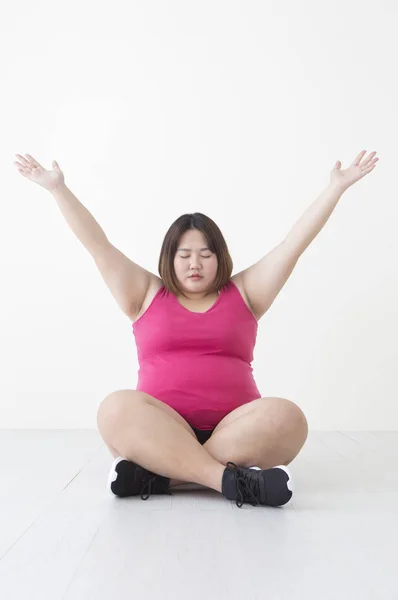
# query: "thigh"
169,410
124,397
238,412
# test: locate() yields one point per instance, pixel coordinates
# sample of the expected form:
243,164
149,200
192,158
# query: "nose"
195,265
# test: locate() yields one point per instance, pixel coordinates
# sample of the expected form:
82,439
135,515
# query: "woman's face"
191,257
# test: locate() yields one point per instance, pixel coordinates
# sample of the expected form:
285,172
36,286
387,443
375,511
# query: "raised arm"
127,281
263,281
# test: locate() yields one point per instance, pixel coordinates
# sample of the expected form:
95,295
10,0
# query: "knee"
300,422
292,417
299,419
112,410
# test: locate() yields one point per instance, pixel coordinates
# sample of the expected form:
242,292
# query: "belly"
203,390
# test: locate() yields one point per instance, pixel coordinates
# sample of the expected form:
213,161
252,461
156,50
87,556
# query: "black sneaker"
129,479
272,487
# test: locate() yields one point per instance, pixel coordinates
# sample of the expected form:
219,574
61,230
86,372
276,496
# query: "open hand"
30,168
358,169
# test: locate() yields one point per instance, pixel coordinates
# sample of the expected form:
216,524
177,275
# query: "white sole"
290,484
112,474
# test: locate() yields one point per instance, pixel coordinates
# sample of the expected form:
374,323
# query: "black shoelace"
148,485
247,487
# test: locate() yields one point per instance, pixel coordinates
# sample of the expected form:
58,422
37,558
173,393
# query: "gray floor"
62,536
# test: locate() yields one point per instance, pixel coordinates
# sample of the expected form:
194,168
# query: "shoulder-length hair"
215,241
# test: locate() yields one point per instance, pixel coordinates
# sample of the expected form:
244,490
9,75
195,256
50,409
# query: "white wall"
235,109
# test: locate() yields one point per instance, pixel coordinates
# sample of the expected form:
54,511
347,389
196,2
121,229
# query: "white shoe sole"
113,474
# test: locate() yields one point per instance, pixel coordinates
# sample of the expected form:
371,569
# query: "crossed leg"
265,432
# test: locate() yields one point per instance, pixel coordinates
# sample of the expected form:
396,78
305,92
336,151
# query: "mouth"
195,277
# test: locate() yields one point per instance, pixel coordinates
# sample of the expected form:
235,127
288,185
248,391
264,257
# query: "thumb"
55,164
337,165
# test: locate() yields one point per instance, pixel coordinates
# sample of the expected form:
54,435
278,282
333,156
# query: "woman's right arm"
80,220
127,281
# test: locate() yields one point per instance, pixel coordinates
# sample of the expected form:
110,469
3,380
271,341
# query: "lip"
195,276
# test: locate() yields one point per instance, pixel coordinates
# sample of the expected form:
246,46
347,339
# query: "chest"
200,306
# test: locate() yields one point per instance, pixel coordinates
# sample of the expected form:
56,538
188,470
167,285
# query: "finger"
371,164
358,158
34,161
23,170
368,170
23,160
371,155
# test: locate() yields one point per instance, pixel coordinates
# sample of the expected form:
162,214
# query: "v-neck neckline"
193,312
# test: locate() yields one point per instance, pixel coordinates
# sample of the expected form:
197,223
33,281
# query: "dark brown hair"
215,241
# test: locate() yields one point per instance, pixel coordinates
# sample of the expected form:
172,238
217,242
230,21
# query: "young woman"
197,414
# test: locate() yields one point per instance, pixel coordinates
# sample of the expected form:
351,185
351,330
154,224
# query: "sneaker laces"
148,484
247,486
155,484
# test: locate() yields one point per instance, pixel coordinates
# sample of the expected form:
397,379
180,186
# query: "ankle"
175,482
213,477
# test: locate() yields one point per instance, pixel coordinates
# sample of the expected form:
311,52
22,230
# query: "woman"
197,414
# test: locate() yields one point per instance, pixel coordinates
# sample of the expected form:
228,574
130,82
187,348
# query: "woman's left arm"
263,281
316,216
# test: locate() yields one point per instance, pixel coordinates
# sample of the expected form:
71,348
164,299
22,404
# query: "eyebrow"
189,249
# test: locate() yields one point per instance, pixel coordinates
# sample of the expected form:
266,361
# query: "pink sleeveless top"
197,363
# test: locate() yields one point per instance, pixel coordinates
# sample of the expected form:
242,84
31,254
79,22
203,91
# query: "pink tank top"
198,363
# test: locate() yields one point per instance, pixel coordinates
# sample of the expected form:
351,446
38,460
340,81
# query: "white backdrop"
235,109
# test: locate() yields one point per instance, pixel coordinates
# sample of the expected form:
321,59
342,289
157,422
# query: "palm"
32,169
358,169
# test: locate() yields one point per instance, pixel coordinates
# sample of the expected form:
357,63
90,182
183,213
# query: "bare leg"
173,482
148,436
